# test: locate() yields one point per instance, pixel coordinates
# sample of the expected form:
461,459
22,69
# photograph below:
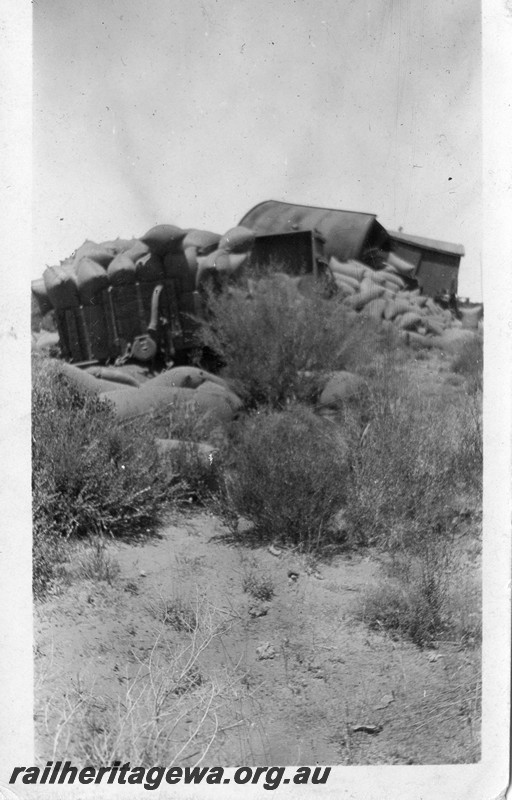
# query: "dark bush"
91,474
275,344
289,475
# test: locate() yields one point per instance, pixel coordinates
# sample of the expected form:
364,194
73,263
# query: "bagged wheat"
222,261
118,245
187,378
391,310
418,341
231,262
149,268
163,239
358,301
368,283
342,387
433,326
113,375
96,252
44,341
408,321
40,295
348,279
85,382
237,240
121,270
191,254
353,269
375,308
433,307
218,403
91,278
391,287
204,241
137,250
128,403
61,286
343,285
401,266
393,278
377,276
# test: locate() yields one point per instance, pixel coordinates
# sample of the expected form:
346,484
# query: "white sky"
192,112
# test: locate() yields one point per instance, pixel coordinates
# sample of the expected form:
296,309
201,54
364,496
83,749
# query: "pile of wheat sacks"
164,252
392,297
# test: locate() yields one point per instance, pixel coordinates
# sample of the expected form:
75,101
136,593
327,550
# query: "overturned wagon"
345,234
136,298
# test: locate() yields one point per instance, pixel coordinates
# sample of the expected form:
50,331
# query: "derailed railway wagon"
346,234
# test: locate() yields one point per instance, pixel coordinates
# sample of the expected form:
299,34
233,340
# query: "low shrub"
288,476
426,596
415,459
274,344
92,475
415,471
194,477
259,586
469,363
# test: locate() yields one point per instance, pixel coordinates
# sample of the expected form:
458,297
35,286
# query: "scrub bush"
275,344
91,474
289,476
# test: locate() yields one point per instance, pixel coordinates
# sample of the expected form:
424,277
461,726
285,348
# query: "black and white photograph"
265,511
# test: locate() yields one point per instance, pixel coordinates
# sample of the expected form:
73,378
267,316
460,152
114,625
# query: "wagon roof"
428,244
345,232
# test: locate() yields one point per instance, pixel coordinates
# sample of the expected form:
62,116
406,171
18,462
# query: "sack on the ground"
418,341
188,377
353,269
408,321
348,279
358,301
114,375
85,382
219,404
44,341
375,308
342,387
393,278
129,403
433,326
345,287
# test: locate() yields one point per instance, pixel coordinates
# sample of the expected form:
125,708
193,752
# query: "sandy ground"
326,674
196,647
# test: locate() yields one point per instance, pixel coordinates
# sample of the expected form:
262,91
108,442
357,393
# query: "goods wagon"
436,263
347,234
